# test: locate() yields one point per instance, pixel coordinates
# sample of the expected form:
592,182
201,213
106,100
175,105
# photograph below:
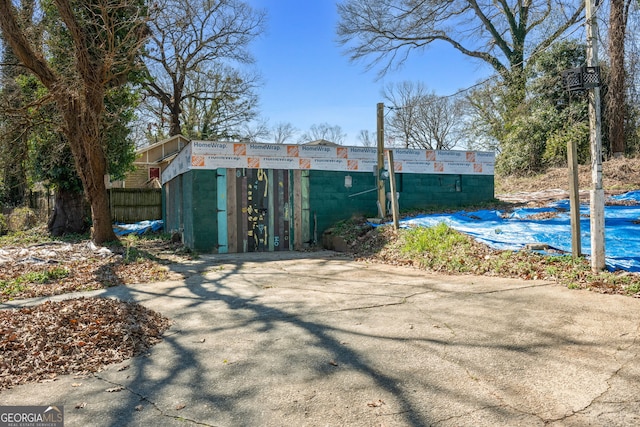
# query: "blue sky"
309,80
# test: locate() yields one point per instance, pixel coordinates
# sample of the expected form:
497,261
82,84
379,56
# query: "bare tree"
501,33
282,132
404,98
421,119
323,131
190,39
106,36
255,131
219,103
441,119
366,138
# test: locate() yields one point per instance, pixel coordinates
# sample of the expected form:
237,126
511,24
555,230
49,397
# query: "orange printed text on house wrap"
239,149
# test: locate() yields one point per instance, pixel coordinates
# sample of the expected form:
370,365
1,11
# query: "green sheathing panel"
204,208
330,201
172,200
188,237
434,191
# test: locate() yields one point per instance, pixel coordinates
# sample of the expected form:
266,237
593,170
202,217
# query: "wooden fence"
130,205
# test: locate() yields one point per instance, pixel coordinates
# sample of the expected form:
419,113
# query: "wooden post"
595,124
574,199
392,184
380,182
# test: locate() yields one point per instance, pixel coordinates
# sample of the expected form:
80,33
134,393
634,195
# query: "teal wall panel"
221,207
205,210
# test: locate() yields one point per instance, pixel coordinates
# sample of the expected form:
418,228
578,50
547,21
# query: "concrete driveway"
314,339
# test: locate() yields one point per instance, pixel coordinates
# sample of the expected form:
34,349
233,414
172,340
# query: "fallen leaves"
73,336
22,269
376,403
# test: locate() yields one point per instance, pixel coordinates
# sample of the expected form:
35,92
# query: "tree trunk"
83,130
68,214
175,127
616,92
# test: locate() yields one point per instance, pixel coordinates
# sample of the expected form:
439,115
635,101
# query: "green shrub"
4,228
21,219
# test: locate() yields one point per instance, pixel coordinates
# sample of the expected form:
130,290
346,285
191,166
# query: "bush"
21,219
4,228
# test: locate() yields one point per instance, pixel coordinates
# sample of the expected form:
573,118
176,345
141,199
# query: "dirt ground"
618,176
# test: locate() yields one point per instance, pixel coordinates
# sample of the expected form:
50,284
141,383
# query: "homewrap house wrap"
246,197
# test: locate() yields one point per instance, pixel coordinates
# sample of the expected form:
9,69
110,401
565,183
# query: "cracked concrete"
314,339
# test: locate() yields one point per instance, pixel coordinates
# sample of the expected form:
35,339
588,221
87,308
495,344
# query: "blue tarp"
138,228
512,230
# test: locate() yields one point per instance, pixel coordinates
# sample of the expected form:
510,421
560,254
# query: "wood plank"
244,239
287,211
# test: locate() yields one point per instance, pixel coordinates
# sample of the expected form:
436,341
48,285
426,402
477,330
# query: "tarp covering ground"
550,225
138,227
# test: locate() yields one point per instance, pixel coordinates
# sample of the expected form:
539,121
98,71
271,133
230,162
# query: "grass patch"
19,284
11,287
38,235
438,248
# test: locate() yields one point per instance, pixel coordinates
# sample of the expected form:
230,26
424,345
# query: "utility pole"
595,139
574,198
382,205
392,186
